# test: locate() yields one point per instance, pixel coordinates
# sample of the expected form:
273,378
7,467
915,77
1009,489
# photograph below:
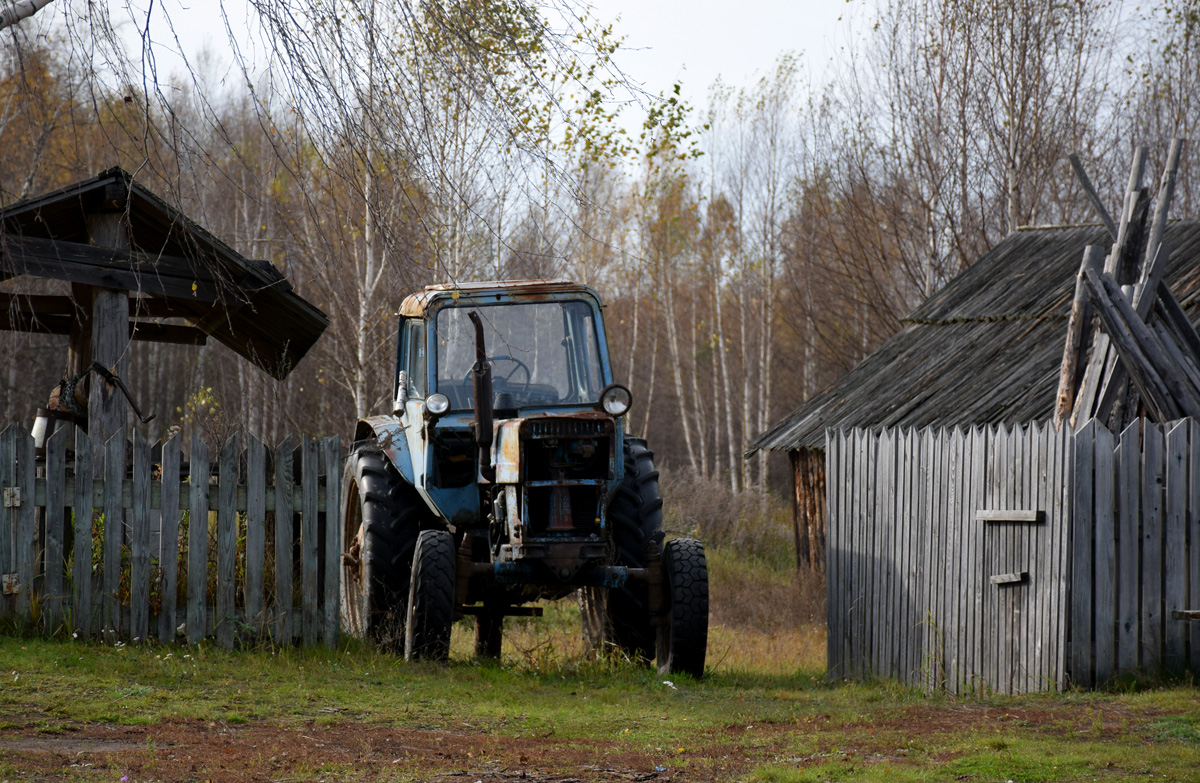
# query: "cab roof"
416,305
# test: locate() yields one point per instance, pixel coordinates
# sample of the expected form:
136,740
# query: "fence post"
197,576
227,525
168,552
256,496
333,537
284,489
139,543
56,478
309,542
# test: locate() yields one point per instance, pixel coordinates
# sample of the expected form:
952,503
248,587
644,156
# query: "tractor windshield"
542,353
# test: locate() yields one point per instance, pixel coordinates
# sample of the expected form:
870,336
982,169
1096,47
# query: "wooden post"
110,334
1079,335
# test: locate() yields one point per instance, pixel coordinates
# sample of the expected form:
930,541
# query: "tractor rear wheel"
431,598
683,638
620,617
381,517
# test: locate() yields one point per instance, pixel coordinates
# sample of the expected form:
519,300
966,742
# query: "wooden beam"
29,305
143,331
1093,197
106,267
1145,359
1079,334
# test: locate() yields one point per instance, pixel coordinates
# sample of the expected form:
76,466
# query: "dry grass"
764,616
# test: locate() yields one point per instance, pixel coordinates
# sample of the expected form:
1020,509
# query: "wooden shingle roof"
986,349
246,304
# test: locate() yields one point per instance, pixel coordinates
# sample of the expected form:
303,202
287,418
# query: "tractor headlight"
616,399
436,404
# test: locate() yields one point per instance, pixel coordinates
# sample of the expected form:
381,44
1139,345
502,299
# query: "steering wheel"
518,366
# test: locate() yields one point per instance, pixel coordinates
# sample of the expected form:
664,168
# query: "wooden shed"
960,397
139,269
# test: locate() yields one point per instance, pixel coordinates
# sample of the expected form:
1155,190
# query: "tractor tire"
431,598
381,517
620,617
683,638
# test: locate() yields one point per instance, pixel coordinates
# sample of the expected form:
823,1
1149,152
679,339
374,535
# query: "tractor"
503,477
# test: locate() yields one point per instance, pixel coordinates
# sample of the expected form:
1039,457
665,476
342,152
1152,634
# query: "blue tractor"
504,476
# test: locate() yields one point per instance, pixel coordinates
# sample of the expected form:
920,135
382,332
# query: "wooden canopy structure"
140,269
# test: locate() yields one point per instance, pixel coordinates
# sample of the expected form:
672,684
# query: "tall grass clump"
751,552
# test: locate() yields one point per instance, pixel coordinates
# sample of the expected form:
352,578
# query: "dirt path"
328,751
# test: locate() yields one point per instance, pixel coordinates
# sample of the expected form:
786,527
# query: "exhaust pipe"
481,375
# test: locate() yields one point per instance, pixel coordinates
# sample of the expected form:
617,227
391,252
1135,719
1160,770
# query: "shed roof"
246,304
985,349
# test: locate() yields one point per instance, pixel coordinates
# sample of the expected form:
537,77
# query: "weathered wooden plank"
1128,527
900,498
930,652
1093,197
1082,547
8,517
975,564
332,459
1061,488
860,638
148,273
1174,656
1168,308
922,646
256,530
114,533
285,626
168,553
858,600
834,476
1104,511
1156,260
1193,535
1079,334
81,520
1135,352
25,546
309,542
197,575
56,481
1028,516
1054,547
1150,656
227,535
139,543
885,523
1029,469
1014,639
1037,646
960,517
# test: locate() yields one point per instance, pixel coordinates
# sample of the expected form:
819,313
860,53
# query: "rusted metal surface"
418,304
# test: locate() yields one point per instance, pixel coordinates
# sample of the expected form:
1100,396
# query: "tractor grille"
568,428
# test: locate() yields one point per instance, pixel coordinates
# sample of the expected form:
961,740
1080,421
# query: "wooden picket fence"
67,567
1013,560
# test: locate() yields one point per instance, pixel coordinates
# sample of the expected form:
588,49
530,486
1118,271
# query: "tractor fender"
389,432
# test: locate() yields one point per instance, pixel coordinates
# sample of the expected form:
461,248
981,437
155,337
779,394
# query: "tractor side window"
581,334
415,358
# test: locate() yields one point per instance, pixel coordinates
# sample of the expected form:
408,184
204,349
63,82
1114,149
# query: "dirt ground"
326,750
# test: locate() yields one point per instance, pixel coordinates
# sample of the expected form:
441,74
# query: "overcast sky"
692,41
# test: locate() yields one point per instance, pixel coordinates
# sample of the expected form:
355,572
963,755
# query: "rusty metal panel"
508,452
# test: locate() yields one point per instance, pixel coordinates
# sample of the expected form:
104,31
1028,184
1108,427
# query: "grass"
784,725
764,712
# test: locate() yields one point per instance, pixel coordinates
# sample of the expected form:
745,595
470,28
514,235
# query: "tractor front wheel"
431,598
683,637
